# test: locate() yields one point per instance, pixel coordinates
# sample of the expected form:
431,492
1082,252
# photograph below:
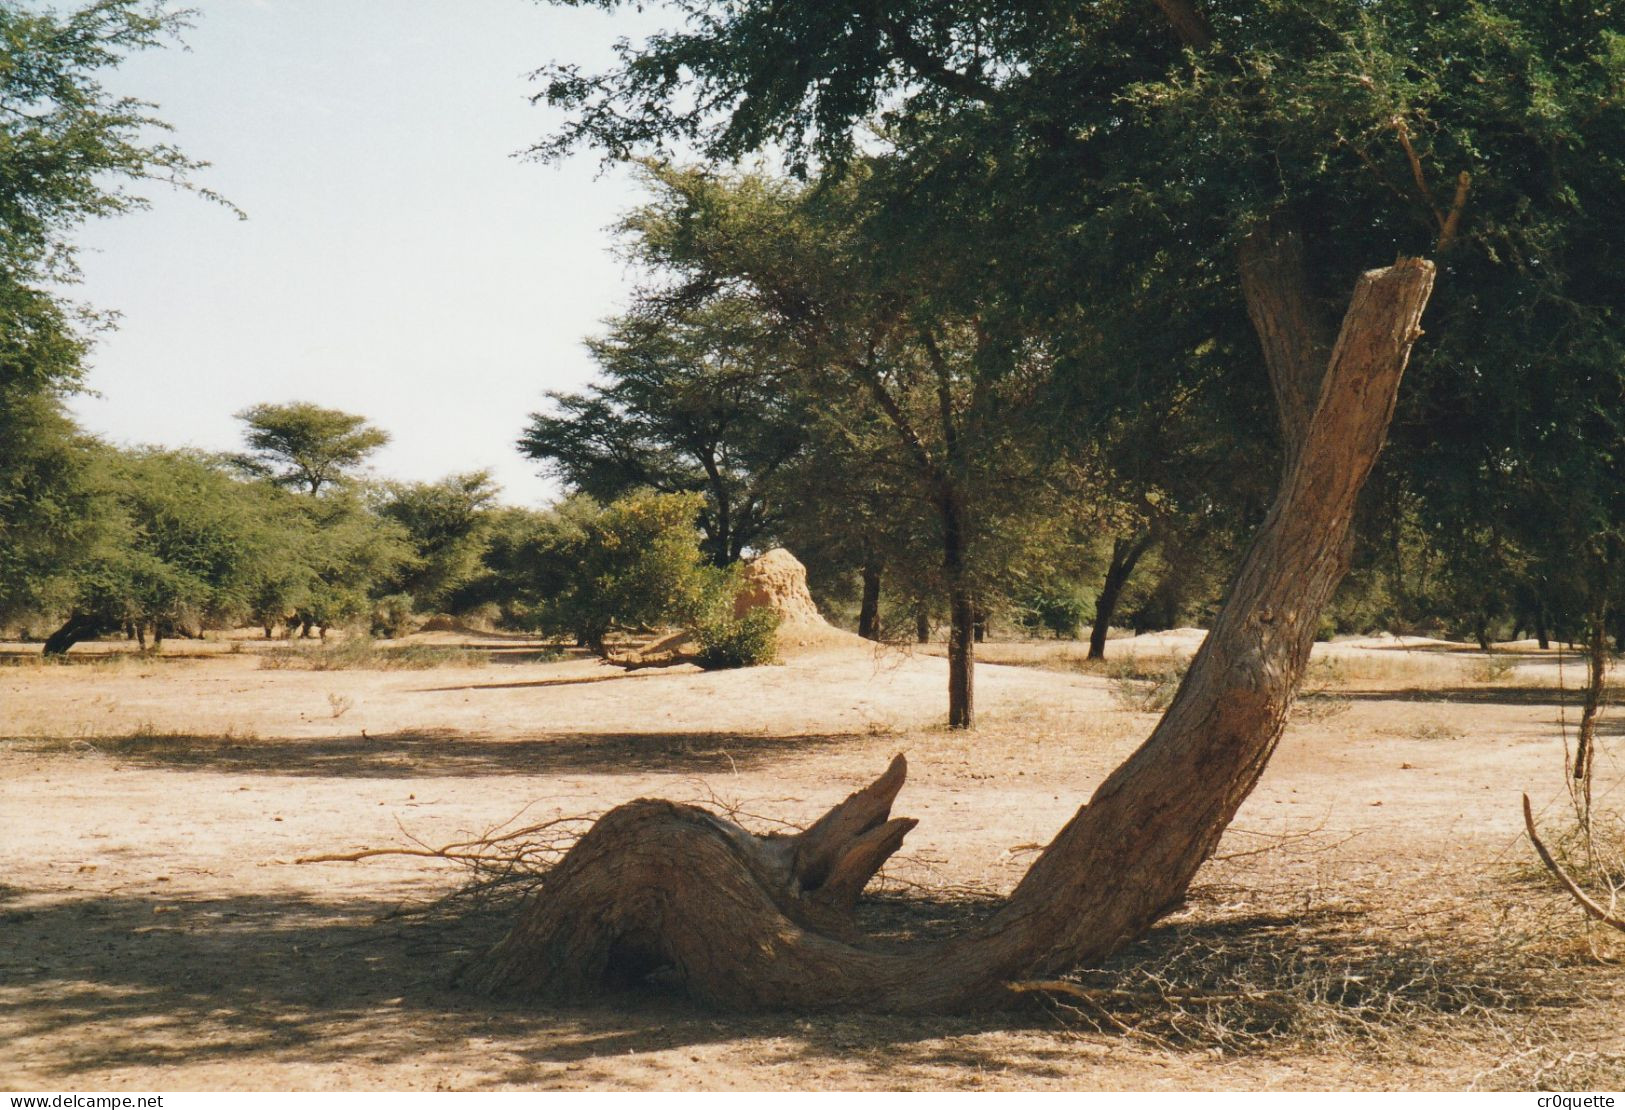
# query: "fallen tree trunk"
748,922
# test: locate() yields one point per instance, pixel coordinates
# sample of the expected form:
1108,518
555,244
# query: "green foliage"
303,445
48,500
69,151
392,616
634,564
349,553
447,524
727,641
70,146
1097,175
691,401
179,543
1056,609
524,562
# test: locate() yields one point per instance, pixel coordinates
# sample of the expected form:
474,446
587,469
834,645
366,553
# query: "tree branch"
1452,222
1580,896
934,69
866,373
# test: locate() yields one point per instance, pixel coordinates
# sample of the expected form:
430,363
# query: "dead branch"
1117,994
1586,902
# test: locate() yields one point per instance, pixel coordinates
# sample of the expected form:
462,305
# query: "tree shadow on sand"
104,982
436,752
1468,695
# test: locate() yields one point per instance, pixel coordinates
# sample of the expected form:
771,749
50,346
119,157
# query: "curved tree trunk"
731,915
77,627
1125,557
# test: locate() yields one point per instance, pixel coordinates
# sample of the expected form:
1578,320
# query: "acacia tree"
447,524
181,543
692,401
890,334
1264,155
634,563
305,446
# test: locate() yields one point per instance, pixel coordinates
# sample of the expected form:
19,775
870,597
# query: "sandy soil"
158,934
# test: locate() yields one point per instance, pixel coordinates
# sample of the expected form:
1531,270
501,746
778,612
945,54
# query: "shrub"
1058,612
392,616
634,564
1492,668
727,641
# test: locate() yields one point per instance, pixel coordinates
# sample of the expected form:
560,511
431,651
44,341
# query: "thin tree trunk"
961,616
1125,556
869,609
922,625
1586,744
961,659
654,884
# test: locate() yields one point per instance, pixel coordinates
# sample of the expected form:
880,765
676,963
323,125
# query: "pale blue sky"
397,261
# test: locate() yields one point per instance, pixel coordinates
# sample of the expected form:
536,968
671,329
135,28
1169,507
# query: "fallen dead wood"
1099,995
1587,903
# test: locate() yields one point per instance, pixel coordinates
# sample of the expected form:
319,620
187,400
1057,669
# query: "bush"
1492,668
392,616
634,564
1058,612
727,641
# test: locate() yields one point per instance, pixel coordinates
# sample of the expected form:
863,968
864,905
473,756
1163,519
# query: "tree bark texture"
1292,329
655,884
1125,557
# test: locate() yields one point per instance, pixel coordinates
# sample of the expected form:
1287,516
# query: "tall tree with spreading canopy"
890,331
1262,154
305,446
692,401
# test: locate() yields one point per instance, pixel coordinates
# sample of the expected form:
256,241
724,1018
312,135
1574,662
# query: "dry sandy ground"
156,933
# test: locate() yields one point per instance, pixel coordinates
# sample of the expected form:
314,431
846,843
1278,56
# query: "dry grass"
1315,981
1146,685
364,654
1594,857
